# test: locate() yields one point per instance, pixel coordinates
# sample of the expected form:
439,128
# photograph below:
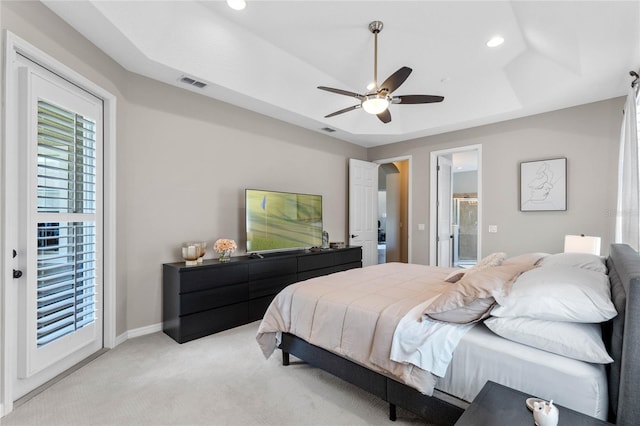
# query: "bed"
359,353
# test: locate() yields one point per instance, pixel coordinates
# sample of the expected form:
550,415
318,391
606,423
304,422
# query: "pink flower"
224,244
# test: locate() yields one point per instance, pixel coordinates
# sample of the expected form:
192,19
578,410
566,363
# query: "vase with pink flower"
224,247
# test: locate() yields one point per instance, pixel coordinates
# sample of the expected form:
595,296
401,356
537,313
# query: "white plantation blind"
66,222
66,161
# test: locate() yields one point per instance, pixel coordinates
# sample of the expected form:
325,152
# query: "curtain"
628,209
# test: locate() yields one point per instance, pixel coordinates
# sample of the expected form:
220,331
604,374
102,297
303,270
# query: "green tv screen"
282,220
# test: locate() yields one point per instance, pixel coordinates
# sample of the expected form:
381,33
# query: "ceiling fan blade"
395,80
385,116
342,92
351,108
416,99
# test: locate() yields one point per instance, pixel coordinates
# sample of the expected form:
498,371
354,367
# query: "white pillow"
588,261
581,341
558,293
526,258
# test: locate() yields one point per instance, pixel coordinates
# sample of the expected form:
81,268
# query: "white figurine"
545,413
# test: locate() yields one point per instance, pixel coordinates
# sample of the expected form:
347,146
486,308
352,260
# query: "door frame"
408,158
444,211
433,203
15,46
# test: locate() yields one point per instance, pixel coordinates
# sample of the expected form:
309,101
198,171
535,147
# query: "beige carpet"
221,379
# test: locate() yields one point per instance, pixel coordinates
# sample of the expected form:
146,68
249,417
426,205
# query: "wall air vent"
192,82
328,129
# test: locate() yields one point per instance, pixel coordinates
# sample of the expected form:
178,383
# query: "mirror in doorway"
465,231
464,216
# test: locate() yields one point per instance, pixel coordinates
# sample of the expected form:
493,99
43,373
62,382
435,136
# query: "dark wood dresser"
213,296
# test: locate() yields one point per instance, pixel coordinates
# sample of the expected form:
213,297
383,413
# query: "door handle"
354,236
16,273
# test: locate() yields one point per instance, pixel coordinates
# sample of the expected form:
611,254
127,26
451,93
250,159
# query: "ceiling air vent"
328,129
193,82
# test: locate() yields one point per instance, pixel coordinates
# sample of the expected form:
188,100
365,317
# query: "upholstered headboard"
622,335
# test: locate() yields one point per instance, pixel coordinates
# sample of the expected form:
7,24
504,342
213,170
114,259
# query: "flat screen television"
279,221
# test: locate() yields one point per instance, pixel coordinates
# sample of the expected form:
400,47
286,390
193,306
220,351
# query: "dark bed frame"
621,335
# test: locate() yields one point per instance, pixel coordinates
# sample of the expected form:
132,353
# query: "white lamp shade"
581,244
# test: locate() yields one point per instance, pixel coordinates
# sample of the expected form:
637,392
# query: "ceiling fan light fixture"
375,104
237,4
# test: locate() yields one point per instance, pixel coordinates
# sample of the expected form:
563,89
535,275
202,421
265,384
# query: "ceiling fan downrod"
375,27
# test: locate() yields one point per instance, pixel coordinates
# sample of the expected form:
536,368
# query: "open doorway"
465,210
455,206
393,211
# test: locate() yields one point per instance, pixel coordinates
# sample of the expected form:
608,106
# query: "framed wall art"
543,185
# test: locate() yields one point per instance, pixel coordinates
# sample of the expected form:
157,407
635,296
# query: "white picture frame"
543,185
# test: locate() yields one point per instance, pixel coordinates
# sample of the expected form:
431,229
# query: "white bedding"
481,355
424,343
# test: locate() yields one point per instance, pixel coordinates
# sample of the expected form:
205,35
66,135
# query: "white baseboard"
137,332
142,331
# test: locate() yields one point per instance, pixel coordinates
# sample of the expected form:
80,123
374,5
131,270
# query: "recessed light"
237,4
495,41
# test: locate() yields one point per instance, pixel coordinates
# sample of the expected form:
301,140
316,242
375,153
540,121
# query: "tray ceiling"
271,56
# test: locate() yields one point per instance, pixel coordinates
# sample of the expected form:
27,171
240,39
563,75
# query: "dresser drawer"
315,261
198,279
347,266
269,268
212,321
270,286
350,255
219,296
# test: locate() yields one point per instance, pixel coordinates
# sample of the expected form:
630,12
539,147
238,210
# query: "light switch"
493,228
421,227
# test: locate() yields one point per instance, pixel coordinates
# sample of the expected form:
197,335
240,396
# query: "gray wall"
586,135
183,161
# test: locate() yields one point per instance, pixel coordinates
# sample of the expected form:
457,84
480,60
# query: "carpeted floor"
222,379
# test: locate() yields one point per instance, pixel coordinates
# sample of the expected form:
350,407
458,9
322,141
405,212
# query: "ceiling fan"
378,98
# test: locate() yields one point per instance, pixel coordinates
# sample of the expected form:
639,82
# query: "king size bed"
564,327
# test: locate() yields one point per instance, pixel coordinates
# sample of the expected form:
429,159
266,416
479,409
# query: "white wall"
586,135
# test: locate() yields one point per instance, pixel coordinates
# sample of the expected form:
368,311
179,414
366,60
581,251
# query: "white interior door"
59,309
363,209
444,229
